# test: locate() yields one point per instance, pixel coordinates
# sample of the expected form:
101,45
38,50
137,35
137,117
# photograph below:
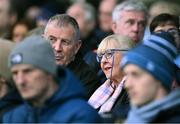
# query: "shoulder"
79,111
15,115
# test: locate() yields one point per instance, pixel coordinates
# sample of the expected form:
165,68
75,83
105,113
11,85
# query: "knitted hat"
36,51
155,55
5,49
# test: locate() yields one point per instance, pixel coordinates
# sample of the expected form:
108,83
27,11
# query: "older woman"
111,93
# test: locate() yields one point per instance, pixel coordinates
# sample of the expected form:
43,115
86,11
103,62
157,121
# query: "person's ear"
78,45
114,26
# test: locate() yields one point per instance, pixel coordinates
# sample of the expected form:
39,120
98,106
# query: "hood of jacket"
69,88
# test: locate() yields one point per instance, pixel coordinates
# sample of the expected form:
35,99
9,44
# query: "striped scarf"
105,96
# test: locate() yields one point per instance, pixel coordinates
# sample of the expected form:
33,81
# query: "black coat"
120,109
171,115
87,76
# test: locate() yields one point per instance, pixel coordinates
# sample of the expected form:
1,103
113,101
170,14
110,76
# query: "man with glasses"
110,98
64,34
168,23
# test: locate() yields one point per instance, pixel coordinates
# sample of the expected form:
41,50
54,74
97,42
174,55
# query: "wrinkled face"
142,87
110,62
78,13
19,32
32,83
131,24
63,42
170,28
105,14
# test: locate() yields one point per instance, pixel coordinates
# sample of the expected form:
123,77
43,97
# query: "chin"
27,95
107,76
59,63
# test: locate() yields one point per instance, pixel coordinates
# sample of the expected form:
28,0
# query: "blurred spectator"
111,96
5,48
159,7
50,96
36,31
129,19
32,13
9,97
150,71
163,6
168,23
64,34
85,16
7,16
105,15
20,29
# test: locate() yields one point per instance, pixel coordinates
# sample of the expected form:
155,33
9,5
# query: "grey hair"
63,20
131,5
88,9
90,12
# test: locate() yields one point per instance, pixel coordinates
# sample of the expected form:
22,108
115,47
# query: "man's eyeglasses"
108,54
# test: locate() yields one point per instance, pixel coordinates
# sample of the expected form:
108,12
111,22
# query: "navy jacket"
67,105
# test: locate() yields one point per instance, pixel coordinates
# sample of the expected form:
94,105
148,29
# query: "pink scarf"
105,96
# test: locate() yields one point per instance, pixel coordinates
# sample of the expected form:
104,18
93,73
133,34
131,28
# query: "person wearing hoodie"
50,95
150,71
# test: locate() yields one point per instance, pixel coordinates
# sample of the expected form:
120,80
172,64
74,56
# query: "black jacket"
171,115
119,110
87,76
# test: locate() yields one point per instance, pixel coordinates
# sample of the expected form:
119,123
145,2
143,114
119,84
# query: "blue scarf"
147,113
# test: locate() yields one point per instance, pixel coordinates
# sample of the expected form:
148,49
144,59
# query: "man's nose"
128,82
57,45
20,78
135,27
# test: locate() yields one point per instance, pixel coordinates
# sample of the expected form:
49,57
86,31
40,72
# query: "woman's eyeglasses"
108,54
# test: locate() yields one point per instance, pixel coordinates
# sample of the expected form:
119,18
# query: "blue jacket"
67,105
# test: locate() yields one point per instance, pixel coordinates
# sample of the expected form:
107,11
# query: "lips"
59,58
107,68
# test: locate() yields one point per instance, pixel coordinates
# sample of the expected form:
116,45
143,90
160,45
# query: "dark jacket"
67,105
171,115
88,77
119,110
9,101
